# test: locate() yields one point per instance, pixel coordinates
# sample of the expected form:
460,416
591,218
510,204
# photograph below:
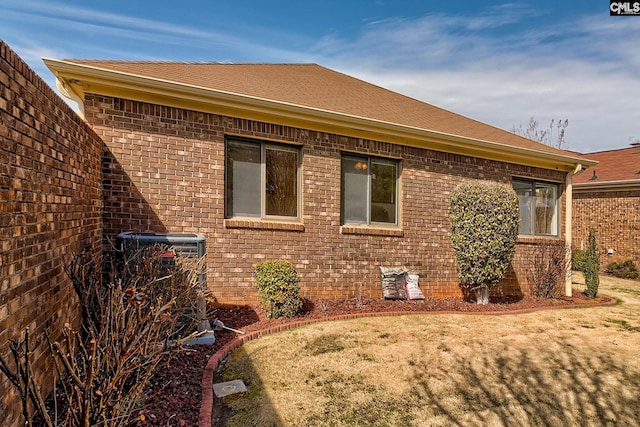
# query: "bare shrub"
128,325
548,270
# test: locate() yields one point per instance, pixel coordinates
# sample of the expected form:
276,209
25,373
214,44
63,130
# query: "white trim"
631,184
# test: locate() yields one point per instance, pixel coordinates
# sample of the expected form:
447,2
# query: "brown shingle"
615,165
317,87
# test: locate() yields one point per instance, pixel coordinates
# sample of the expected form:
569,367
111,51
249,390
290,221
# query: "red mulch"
174,394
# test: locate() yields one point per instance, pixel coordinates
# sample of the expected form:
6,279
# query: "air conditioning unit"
191,245
181,244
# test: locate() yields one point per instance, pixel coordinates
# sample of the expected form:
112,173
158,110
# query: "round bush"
277,283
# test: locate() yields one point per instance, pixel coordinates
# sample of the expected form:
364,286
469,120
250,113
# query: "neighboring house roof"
304,95
617,169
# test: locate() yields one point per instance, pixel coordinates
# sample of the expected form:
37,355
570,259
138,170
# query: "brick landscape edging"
206,406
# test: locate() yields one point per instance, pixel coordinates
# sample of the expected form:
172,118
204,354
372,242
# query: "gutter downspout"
568,224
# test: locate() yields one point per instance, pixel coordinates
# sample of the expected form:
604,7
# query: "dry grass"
553,368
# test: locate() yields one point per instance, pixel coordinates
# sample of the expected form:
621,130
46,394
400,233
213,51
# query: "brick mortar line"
206,406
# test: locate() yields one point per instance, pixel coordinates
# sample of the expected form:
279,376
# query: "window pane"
538,207
546,209
383,191
355,182
243,179
281,186
526,202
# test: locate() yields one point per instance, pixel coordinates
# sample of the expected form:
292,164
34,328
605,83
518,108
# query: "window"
538,207
369,190
261,180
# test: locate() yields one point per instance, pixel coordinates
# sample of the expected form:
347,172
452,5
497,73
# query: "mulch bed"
173,397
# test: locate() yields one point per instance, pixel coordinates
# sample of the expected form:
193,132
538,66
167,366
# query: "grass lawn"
570,367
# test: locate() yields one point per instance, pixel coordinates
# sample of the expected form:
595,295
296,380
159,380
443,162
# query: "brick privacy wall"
615,216
50,207
164,172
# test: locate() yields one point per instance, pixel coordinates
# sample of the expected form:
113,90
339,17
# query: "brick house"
607,198
302,163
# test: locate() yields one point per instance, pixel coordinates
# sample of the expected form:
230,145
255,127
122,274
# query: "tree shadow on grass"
239,410
552,385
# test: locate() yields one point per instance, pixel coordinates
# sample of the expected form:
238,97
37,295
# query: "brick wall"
50,206
164,171
615,216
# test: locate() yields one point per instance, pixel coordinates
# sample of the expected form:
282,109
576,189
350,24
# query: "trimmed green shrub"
484,231
277,283
578,257
591,267
625,270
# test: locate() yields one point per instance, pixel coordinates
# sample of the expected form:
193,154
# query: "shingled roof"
315,88
615,166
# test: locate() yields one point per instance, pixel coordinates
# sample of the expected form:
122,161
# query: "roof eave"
78,79
620,185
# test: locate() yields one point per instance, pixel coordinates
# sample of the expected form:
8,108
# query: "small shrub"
591,267
625,270
277,283
577,259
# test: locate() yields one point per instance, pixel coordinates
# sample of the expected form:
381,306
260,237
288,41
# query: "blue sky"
497,62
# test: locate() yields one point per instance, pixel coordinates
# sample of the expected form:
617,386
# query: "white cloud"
586,71
493,66
110,35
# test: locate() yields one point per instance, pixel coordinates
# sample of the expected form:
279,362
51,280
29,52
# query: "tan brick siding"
615,216
50,207
164,171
